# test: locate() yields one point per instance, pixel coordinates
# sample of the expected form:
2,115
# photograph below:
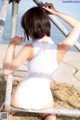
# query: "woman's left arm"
10,64
73,36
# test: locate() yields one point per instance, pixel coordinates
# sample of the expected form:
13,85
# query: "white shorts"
33,93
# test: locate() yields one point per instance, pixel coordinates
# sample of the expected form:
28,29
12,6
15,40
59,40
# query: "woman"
43,58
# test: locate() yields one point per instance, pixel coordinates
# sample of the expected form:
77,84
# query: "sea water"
56,35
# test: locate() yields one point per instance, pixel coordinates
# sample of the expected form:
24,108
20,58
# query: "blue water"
72,9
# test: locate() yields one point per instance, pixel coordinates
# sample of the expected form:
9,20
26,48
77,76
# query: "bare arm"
10,64
68,19
71,39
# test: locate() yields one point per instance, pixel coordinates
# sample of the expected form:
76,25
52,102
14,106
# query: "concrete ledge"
73,59
77,75
69,70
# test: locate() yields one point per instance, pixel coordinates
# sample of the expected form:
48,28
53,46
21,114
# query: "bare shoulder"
61,51
28,48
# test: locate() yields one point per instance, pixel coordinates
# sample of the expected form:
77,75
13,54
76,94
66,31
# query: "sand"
64,96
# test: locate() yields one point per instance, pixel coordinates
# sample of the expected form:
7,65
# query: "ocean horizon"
56,35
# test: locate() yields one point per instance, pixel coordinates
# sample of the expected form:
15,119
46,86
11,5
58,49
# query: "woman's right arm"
10,63
71,39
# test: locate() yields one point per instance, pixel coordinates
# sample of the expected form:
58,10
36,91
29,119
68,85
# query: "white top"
44,62
34,91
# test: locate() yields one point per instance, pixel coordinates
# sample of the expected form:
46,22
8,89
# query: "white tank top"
44,63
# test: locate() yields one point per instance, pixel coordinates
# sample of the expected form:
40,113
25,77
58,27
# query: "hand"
17,40
50,8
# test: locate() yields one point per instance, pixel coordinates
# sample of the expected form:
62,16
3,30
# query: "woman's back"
44,62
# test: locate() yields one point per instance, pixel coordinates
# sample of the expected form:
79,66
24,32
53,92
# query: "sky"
67,8
72,9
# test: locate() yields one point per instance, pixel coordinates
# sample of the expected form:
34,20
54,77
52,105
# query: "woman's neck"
45,38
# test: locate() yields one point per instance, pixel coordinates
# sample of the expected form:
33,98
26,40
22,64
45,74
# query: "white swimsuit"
34,91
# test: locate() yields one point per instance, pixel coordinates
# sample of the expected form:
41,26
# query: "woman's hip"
34,94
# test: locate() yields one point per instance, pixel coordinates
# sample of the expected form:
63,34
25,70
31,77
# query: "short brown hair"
36,22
